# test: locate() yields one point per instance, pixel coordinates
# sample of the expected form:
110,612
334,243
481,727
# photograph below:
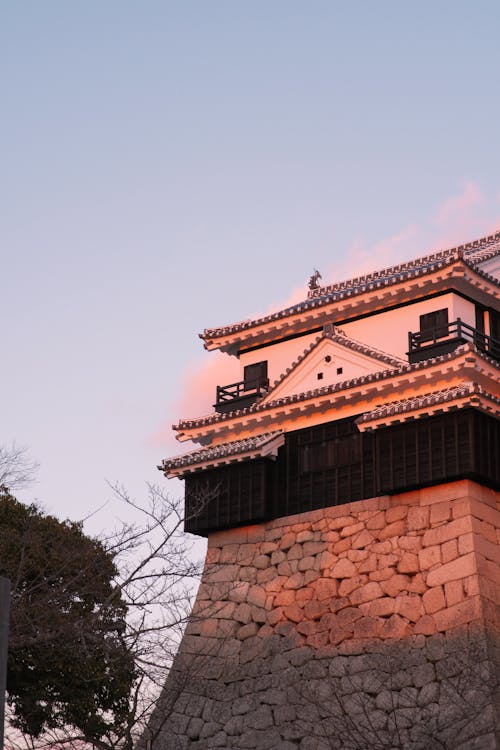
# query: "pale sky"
171,166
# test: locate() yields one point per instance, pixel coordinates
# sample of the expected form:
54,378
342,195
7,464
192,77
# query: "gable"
328,362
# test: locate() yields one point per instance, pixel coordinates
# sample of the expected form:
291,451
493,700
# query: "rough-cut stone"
372,603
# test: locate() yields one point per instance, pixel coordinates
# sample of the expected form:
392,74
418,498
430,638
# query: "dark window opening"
339,370
255,375
320,376
434,325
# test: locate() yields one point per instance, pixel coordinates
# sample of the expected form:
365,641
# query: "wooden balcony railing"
243,390
456,332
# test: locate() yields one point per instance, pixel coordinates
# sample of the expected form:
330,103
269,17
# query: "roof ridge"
471,253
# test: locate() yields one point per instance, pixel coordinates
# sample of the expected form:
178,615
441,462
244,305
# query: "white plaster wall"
389,330
279,356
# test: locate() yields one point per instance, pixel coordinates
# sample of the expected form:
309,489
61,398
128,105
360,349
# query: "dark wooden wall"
334,463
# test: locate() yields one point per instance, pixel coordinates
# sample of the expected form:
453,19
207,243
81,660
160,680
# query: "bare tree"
17,469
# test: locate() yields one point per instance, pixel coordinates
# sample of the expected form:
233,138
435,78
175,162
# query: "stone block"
367,627
278,557
295,552
303,595
340,522
243,613
342,546
452,571
382,548
287,568
396,513
259,615
440,512
369,565
418,518
344,568
447,531
261,562
367,592
346,617
394,585
274,616
313,548
348,585
425,626
284,598
410,543
325,588
381,575
294,612
449,550
394,627
287,540
265,575
307,563
454,592
247,631
223,573
315,609
429,556
295,581
417,584
361,540
356,555
326,560
257,595
408,563
305,536
398,528
423,674
464,612
409,606
379,607
353,529
377,521
434,600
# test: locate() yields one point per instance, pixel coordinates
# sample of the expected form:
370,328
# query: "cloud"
199,382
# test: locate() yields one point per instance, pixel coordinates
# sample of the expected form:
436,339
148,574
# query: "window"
255,376
434,325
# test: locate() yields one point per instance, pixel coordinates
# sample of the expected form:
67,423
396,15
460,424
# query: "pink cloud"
199,382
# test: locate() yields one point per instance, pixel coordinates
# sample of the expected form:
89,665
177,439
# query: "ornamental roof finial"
313,280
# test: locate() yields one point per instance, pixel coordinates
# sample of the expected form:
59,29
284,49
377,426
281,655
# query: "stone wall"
368,625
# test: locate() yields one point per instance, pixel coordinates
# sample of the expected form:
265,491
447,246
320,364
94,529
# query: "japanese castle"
380,384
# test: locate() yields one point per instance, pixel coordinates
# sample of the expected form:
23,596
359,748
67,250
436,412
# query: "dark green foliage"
69,665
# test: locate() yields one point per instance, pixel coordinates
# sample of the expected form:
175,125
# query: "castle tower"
348,487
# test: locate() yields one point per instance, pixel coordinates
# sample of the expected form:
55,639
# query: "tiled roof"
472,254
426,400
217,452
334,387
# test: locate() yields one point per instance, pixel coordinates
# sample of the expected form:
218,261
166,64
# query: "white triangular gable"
327,363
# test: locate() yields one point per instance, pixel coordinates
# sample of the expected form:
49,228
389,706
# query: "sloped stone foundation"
370,625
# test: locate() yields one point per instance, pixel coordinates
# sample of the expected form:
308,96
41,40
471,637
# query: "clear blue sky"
168,166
